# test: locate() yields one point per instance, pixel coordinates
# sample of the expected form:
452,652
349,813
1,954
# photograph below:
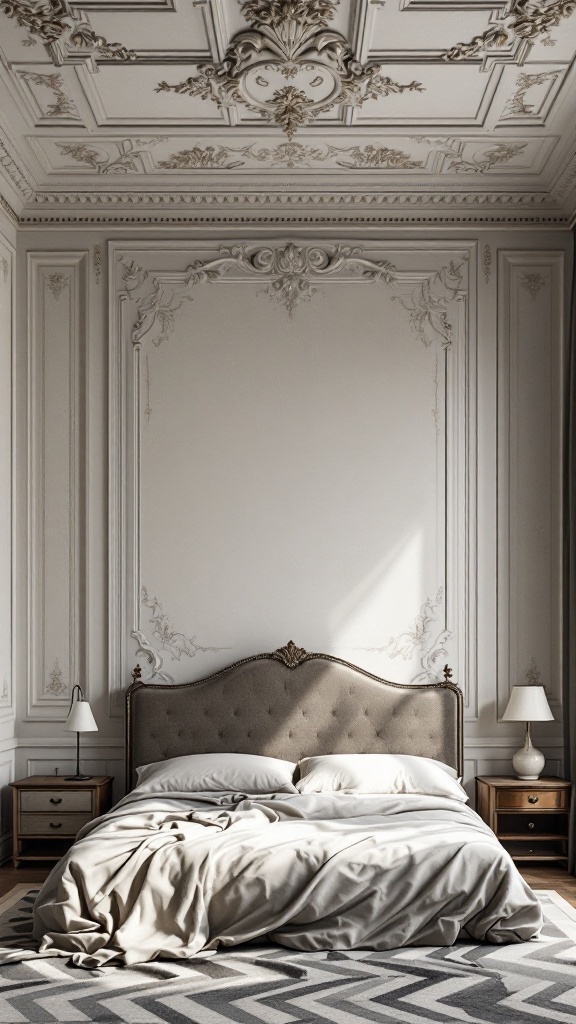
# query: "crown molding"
5,206
292,207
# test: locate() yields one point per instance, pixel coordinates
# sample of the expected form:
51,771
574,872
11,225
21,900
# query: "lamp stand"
78,777
528,762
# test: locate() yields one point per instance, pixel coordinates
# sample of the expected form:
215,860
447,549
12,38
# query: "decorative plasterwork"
13,169
291,655
533,674
487,262
56,283
8,209
56,686
127,159
174,200
524,20
57,21
532,283
293,273
5,269
97,262
423,640
516,105
168,639
289,40
447,155
479,161
63,106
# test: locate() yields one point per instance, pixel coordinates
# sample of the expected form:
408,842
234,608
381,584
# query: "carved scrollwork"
62,106
291,655
521,19
52,20
293,273
423,640
290,38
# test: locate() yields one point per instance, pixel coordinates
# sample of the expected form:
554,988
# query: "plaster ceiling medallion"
526,20
289,67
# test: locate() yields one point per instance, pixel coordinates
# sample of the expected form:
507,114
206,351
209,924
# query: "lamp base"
528,762
77,778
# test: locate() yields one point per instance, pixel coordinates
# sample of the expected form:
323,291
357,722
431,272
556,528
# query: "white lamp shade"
81,718
528,704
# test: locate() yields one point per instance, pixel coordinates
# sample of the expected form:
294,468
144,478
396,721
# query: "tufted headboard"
292,704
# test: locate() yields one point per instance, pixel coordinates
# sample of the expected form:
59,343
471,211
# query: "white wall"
377,476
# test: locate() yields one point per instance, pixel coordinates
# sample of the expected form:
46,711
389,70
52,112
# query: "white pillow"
379,773
198,773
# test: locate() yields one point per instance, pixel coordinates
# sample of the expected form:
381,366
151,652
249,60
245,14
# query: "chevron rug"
531,982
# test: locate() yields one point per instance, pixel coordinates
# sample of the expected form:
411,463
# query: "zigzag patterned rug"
531,982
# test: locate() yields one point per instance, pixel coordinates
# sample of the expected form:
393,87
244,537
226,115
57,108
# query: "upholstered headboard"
292,704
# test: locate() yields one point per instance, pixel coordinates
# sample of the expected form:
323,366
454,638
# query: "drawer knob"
532,799
55,799
530,824
57,825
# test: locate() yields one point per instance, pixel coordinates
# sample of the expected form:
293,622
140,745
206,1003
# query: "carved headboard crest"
291,655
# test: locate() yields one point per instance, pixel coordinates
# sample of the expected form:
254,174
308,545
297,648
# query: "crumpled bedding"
178,876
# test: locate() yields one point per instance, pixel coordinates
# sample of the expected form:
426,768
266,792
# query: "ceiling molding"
391,130
517,20
289,67
64,29
5,206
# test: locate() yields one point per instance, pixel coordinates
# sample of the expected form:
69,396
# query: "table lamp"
80,719
528,704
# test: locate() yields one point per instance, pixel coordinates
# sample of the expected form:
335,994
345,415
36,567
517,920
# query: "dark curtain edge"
569,560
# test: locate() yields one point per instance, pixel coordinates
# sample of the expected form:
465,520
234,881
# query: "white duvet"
173,876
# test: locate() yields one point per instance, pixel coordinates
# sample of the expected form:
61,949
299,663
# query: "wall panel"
6,468
57,465
295,462
530,396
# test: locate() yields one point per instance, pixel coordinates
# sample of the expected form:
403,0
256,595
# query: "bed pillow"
198,773
379,773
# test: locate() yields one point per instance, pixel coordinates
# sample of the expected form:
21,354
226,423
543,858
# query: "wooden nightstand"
529,818
49,811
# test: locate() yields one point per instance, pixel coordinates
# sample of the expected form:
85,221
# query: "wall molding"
529,640
7,517
56,359
148,297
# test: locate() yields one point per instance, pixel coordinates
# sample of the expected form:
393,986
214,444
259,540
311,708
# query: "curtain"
569,667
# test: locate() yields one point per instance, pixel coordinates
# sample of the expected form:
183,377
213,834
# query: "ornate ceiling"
429,110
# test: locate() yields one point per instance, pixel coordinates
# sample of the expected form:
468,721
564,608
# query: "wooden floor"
538,877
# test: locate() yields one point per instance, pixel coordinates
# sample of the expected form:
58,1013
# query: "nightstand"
49,811
529,818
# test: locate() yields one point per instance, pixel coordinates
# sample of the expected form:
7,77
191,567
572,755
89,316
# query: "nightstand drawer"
549,799
52,824
522,824
56,801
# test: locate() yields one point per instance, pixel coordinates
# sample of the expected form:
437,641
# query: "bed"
291,797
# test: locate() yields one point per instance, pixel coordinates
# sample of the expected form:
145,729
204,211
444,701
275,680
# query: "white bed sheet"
177,876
